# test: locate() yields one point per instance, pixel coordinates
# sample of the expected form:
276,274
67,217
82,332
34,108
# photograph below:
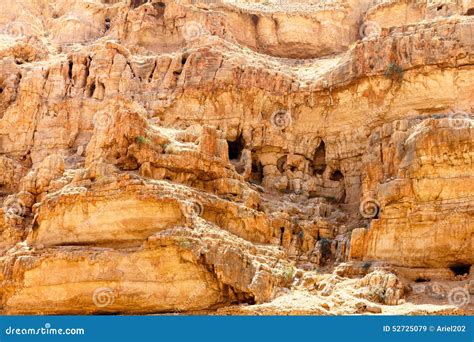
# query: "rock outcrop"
236,157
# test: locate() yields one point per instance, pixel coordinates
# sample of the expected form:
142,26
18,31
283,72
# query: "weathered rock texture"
236,157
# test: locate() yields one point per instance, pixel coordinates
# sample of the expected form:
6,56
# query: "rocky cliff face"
236,157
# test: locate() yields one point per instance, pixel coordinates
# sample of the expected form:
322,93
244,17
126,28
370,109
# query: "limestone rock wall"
187,156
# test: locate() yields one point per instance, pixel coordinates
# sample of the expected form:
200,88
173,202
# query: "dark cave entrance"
281,163
319,159
421,280
256,176
91,90
235,148
160,7
460,269
336,176
255,19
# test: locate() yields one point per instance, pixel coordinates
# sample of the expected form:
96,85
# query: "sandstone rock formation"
236,157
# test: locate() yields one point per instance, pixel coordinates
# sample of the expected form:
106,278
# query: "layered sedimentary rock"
295,157
423,178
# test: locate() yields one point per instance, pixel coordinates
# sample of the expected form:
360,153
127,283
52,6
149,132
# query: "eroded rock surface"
236,157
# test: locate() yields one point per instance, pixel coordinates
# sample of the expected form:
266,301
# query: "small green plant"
142,140
289,273
394,72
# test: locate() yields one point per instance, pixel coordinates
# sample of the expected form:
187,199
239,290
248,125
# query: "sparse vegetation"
142,140
394,72
289,273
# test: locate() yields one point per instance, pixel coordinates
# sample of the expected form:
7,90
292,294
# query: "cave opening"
470,11
281,163
235,148
336,176
107,24
250,301
282,233
160,8
138,3
421,280
91,91
256,175
254,19
460,269
325,248
184,58
70,68
319,159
